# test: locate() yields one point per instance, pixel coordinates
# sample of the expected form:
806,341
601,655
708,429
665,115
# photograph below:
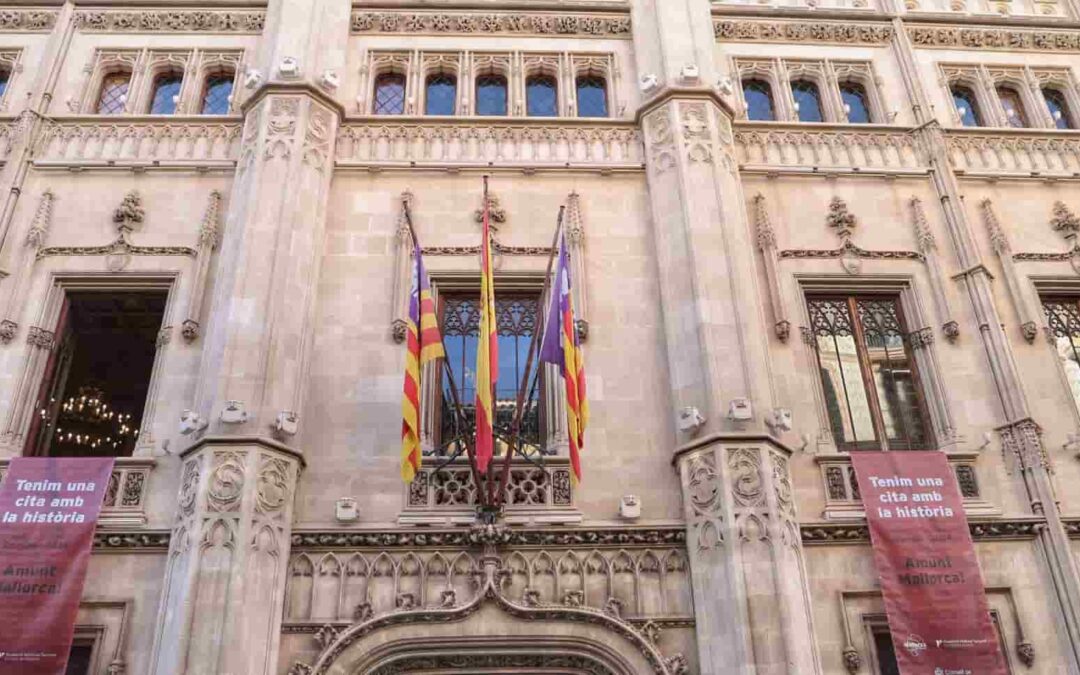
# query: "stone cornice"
667,92
264,441
444,22
788,31
722,437
284,88
620,537
170,21
856,532
1012,38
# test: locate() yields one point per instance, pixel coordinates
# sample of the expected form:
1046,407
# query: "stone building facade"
798,228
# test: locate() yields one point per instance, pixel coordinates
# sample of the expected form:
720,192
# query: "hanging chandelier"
88,421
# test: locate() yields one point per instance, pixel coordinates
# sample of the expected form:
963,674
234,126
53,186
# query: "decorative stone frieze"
140,541
1012,39
151,143
170,21
857,533
519,23
753,30
765,148
591,537
27,20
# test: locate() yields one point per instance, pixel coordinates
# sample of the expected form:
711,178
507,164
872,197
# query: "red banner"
930,578
48,509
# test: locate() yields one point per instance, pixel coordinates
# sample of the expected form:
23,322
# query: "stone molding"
517,23
981,37
136,541
169,21
27,20
837,32
621,537
313,627
856,532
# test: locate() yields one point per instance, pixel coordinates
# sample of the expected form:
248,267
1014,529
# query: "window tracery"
810,91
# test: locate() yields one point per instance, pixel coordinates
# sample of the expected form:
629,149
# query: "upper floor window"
389,94
967,106
440,94
491,95
1058,106
856,102
807,101
516,318
97,377
112,97
1063,319
541,96
166,93
217,94
871,387
591,96
759,100
1014,107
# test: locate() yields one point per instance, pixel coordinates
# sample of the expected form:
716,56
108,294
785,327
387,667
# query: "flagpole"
515,429
449,375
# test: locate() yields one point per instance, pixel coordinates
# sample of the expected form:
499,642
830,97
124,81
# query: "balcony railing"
770,146
1022,152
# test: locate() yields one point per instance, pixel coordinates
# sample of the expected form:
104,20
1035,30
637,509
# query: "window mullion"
867,373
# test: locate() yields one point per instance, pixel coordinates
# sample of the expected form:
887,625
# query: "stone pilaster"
751,603
224,581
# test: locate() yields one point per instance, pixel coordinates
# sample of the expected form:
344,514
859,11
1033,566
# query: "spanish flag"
562,348
487,354
424,345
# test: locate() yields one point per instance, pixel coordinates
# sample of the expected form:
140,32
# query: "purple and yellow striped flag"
487,354
562,348
424,345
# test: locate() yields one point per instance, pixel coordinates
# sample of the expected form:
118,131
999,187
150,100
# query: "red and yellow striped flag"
487,354
424,345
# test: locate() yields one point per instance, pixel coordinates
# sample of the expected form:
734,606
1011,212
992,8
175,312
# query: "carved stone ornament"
852,660
1025,651
7,330
363,612
32,20
325,635
521,23
170,21
838,32
1013,39
1065,221
841,220
130,214
189,330
495,212
783,330
405,601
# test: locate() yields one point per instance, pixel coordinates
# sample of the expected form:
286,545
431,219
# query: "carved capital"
41,338
8,328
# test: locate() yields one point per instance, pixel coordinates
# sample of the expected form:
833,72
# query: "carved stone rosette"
746,559
228,553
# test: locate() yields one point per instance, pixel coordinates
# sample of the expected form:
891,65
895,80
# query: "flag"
487,354
424,345
560,346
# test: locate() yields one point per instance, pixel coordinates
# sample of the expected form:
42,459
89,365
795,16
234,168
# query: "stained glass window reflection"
491,95
871,387
1014,107
856,102
217,94
807,101
541,96
113,96
516,316
967,106
1063,319
440,94
166,94
759,100
1058,106
591,96
389,94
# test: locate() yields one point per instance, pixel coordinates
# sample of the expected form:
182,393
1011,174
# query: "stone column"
225,580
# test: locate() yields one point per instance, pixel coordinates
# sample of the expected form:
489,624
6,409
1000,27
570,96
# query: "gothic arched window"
967,106
217,93
113,94
440,94
541,96
807,101
166,93
856,102
491,95
1015,115
1058,106
591,96
389,94
759,100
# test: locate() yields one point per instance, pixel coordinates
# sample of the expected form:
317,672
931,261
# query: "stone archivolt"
170,21
581,25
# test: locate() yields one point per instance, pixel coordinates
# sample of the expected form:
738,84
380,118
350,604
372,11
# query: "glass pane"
1059,108
592,96
491,95
5,76
807,100
166,94
838,360
218,92
541,99
440,95
114,89
759,100
967,107
389,94
516,318
856,104
893,374
1014,107
1063,318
